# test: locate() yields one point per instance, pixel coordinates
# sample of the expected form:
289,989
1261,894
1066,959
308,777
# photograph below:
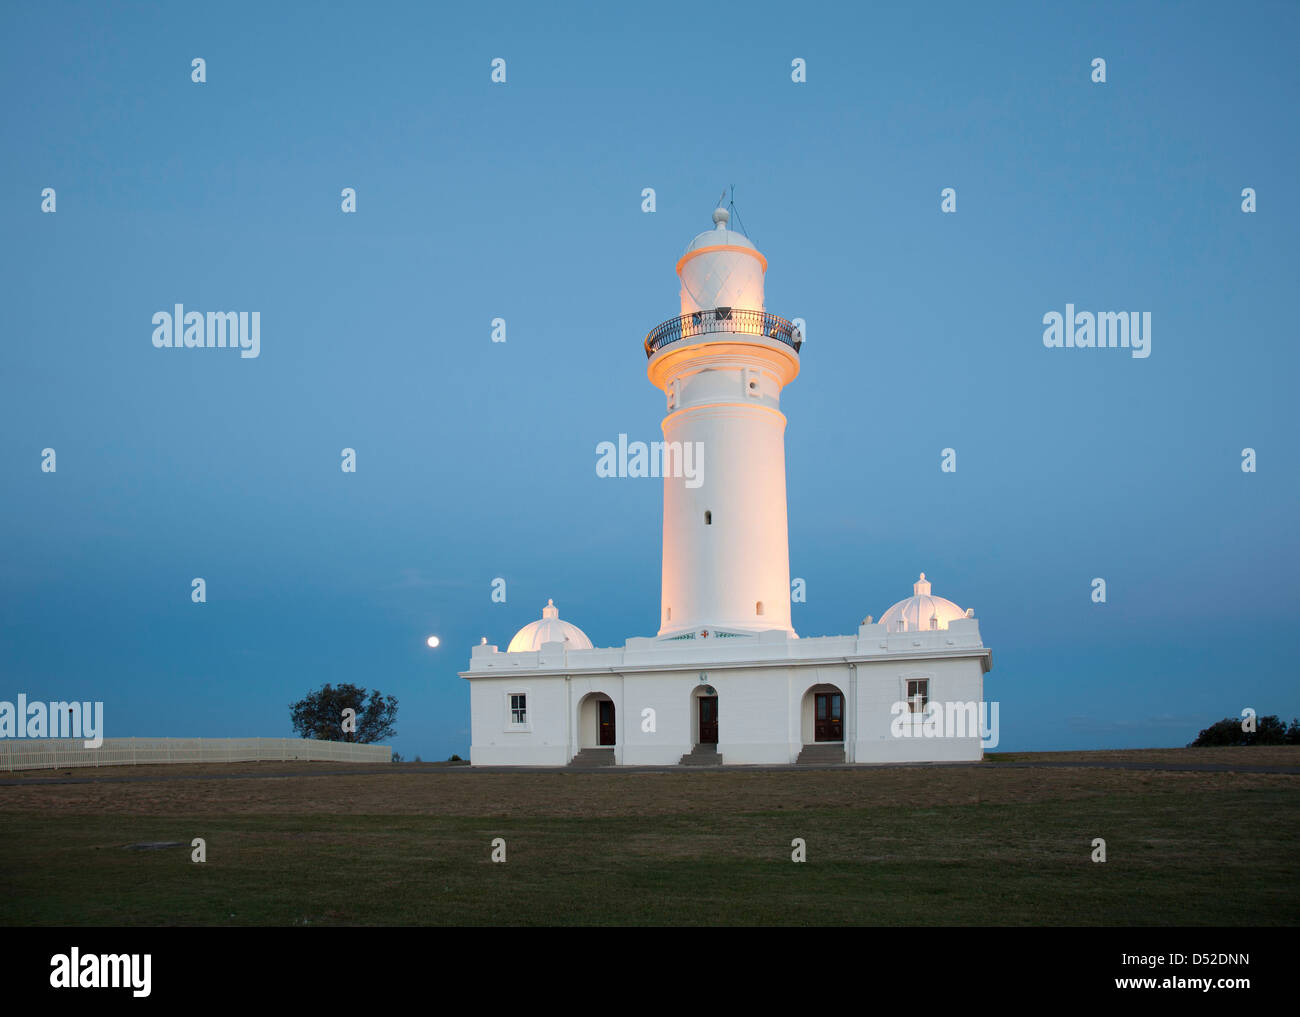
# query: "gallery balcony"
723,319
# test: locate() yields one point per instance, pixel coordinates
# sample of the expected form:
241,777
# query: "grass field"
411,844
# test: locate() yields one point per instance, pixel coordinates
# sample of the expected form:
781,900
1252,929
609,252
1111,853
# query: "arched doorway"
704,715
823,714
596,728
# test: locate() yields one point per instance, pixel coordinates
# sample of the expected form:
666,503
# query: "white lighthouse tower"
722,365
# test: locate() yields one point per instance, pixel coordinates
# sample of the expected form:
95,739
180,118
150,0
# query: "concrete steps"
821,754
588,759
702,755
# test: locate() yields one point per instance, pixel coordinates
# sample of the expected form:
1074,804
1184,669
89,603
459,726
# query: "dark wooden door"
828,721
606,722
708,720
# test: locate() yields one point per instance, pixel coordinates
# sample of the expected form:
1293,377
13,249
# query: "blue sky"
523,201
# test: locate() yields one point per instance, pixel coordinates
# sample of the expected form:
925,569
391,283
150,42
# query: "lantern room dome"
921,612
549,629
720,234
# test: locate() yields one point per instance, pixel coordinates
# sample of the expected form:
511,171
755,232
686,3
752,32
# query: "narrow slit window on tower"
708,518
758,608
670,614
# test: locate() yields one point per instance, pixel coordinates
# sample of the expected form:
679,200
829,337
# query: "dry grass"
976,845
415,789
1258,755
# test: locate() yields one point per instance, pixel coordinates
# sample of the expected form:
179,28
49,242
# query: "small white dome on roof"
550,629
921,612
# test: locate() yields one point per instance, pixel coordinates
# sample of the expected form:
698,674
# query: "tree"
320,714
1224,732
1268,731
1271,731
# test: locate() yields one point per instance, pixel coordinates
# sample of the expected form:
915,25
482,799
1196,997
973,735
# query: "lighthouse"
722,364
725,679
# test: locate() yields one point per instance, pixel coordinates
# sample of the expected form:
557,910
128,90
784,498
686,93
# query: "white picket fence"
47,753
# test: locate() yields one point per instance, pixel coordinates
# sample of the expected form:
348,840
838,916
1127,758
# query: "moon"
433,642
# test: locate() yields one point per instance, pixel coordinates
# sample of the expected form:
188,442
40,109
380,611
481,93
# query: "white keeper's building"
726,679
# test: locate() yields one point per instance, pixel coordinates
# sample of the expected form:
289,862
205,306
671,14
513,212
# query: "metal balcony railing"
722,319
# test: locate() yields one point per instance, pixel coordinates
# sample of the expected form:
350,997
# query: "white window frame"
915,719
510,725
